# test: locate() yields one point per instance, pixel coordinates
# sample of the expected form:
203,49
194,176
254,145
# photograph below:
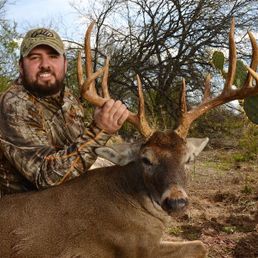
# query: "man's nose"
44,62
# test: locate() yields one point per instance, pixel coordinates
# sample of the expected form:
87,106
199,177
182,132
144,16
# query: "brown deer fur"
118,211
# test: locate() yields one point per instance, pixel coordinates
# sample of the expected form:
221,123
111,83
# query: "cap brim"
43,42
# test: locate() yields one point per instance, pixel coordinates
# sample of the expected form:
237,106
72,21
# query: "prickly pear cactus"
241,74
251,108
218,60
250,103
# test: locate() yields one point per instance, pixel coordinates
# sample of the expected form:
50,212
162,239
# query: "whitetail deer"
118,211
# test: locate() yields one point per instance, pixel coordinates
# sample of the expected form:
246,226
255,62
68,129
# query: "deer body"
81,219
108,212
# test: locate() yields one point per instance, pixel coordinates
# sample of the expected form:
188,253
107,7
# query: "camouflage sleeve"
25,143
71,161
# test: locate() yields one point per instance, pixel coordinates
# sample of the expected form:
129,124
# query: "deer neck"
131,187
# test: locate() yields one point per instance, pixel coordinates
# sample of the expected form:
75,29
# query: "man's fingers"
111,116
123,118
119,112
115,108
108,106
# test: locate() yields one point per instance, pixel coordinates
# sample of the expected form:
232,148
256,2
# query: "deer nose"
172,205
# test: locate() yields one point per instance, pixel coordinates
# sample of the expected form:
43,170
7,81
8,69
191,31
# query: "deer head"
163,155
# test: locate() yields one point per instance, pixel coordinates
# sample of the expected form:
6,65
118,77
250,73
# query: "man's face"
43,71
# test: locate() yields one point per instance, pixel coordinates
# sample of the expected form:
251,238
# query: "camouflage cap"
41,36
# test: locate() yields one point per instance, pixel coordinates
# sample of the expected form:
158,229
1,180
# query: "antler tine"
88,90
232,60
183,127
143,125
187,117
255,76
89,72
87,49
104,84
254,62
183,98
90,94
207,89
79,71
228,93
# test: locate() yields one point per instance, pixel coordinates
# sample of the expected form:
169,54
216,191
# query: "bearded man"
43,138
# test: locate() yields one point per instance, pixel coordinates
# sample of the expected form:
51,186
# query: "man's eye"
33,57
54,56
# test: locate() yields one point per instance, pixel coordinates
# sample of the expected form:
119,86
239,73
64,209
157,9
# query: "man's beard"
42,90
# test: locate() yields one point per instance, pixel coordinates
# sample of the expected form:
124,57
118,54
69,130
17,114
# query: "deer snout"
175,199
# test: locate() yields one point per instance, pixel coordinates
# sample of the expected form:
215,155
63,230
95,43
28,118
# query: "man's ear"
21,67
65,64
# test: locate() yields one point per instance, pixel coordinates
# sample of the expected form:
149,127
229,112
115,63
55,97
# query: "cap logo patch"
42,32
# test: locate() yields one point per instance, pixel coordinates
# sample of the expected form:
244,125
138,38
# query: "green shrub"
248,143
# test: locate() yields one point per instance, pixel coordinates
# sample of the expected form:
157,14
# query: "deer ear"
108,154
120,154
195,146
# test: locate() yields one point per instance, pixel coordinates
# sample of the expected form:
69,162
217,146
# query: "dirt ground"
224,206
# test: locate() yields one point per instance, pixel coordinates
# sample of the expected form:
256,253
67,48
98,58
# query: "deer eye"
146,161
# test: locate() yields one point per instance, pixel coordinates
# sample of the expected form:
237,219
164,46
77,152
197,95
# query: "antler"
228,93
88,89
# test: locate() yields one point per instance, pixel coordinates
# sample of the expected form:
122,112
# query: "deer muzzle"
174,200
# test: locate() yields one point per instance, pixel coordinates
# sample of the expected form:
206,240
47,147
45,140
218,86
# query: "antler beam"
88,89
228,93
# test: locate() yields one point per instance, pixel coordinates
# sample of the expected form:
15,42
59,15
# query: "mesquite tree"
163,41
8,49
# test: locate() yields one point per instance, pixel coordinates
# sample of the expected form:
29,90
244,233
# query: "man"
43,140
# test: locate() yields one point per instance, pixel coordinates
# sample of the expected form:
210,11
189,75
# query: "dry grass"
223,211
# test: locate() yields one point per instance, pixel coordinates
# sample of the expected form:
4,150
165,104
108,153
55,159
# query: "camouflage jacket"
43,141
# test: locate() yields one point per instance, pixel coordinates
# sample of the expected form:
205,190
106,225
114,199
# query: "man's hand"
111,116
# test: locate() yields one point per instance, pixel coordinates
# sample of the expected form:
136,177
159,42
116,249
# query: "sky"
39,13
